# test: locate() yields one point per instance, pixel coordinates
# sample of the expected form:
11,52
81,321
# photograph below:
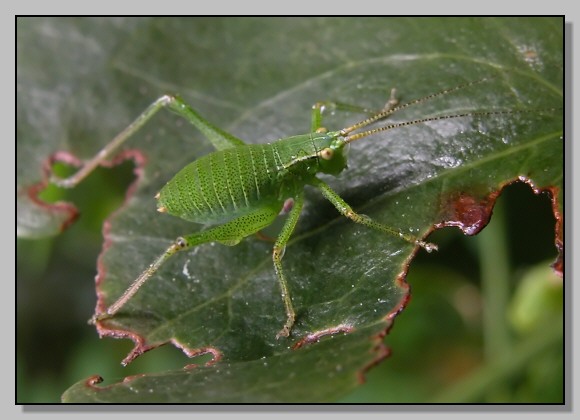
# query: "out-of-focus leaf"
539,294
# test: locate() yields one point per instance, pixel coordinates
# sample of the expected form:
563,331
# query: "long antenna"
357,136
386,112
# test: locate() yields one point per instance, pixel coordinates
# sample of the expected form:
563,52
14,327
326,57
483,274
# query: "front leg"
319,108
347,211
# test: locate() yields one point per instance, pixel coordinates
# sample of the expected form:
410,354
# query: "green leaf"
263,380
246,77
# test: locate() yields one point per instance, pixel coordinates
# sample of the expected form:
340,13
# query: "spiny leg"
277,255
347,211
179,245
230,234
219,138
319,108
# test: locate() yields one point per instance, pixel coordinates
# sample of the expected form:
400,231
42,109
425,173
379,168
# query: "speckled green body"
234,182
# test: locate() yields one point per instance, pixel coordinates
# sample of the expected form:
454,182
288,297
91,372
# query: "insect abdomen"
223,185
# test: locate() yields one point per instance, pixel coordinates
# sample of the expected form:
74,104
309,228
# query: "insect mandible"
241,188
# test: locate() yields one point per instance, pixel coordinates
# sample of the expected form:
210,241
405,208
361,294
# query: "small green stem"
495,278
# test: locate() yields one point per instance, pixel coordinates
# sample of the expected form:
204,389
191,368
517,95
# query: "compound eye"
326,153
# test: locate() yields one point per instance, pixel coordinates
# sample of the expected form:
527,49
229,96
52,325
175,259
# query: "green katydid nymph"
240,188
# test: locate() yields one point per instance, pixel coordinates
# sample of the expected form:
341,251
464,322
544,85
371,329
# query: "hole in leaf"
55,280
